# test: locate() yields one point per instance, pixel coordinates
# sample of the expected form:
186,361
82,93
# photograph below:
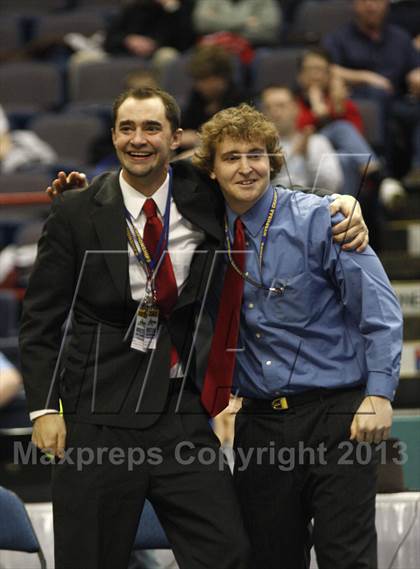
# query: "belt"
285,402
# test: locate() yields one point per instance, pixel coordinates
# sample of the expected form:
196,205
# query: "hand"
142,46
49,434
63,182
413,82
372,421
252,22
317,101
169,5
338,93
300,146
379,81
352,229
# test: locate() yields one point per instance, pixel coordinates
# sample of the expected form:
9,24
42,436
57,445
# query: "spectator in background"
10,381
324,105
309,157
258,21
379,61
152,28
323,95
22,150
214,89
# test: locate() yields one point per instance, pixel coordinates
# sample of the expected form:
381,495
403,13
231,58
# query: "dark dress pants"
97,505
302,466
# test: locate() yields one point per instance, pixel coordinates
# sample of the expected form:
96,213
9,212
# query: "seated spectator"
258,21
309,157
10,381
323,104
213,90
152,28
22,150
379,61
323,95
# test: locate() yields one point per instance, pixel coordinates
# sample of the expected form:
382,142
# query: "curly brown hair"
239,123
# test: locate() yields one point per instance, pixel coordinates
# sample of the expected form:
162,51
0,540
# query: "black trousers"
299,464
97,501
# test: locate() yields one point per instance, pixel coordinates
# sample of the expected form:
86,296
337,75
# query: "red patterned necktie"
165,282
221,364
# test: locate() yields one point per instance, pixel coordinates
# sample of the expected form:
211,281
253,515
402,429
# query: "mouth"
246,183
139,156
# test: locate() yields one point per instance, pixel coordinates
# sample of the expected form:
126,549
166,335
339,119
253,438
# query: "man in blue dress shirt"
317,360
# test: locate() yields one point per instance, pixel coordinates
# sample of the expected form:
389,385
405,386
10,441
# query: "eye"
255,155
152,128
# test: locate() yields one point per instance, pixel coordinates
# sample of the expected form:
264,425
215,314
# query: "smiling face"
143,140
242,170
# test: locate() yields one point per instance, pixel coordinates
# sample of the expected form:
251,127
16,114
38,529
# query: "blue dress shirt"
338,323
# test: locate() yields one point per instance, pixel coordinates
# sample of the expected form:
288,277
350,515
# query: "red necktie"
165,282
221,364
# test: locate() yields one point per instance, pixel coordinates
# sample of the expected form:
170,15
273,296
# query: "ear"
113,135
176,139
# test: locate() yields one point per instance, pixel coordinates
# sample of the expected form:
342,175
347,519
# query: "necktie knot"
239,227
149,208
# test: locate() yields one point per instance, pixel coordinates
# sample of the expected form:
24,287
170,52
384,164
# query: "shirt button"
247,274
258,335
247,243
268,362
250,305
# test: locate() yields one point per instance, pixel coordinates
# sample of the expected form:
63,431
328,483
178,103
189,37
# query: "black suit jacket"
82,270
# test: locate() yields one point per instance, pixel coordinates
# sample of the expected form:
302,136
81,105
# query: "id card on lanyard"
146,326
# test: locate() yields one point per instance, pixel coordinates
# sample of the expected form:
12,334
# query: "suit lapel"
198,205
201,205
108,218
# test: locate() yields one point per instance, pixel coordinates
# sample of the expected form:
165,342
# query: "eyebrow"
146,123
252,152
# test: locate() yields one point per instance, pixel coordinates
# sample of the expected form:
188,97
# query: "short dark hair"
318,51
172,110
209,61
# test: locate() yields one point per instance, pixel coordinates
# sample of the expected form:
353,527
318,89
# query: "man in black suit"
120,402
115,397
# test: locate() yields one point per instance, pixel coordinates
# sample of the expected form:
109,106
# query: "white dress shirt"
184,238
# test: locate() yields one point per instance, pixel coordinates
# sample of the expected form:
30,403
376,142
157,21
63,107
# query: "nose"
245,166
138,137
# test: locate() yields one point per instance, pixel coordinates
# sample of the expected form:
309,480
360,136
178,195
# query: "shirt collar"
134,200
254,218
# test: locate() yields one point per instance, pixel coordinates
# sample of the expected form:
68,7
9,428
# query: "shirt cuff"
381,384
35,414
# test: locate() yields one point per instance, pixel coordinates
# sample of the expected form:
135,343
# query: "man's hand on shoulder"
64,182
372,421
351,232
49,434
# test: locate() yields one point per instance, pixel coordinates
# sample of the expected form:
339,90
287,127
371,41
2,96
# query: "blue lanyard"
141,252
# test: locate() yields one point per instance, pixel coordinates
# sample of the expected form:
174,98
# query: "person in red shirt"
325,106
323,96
